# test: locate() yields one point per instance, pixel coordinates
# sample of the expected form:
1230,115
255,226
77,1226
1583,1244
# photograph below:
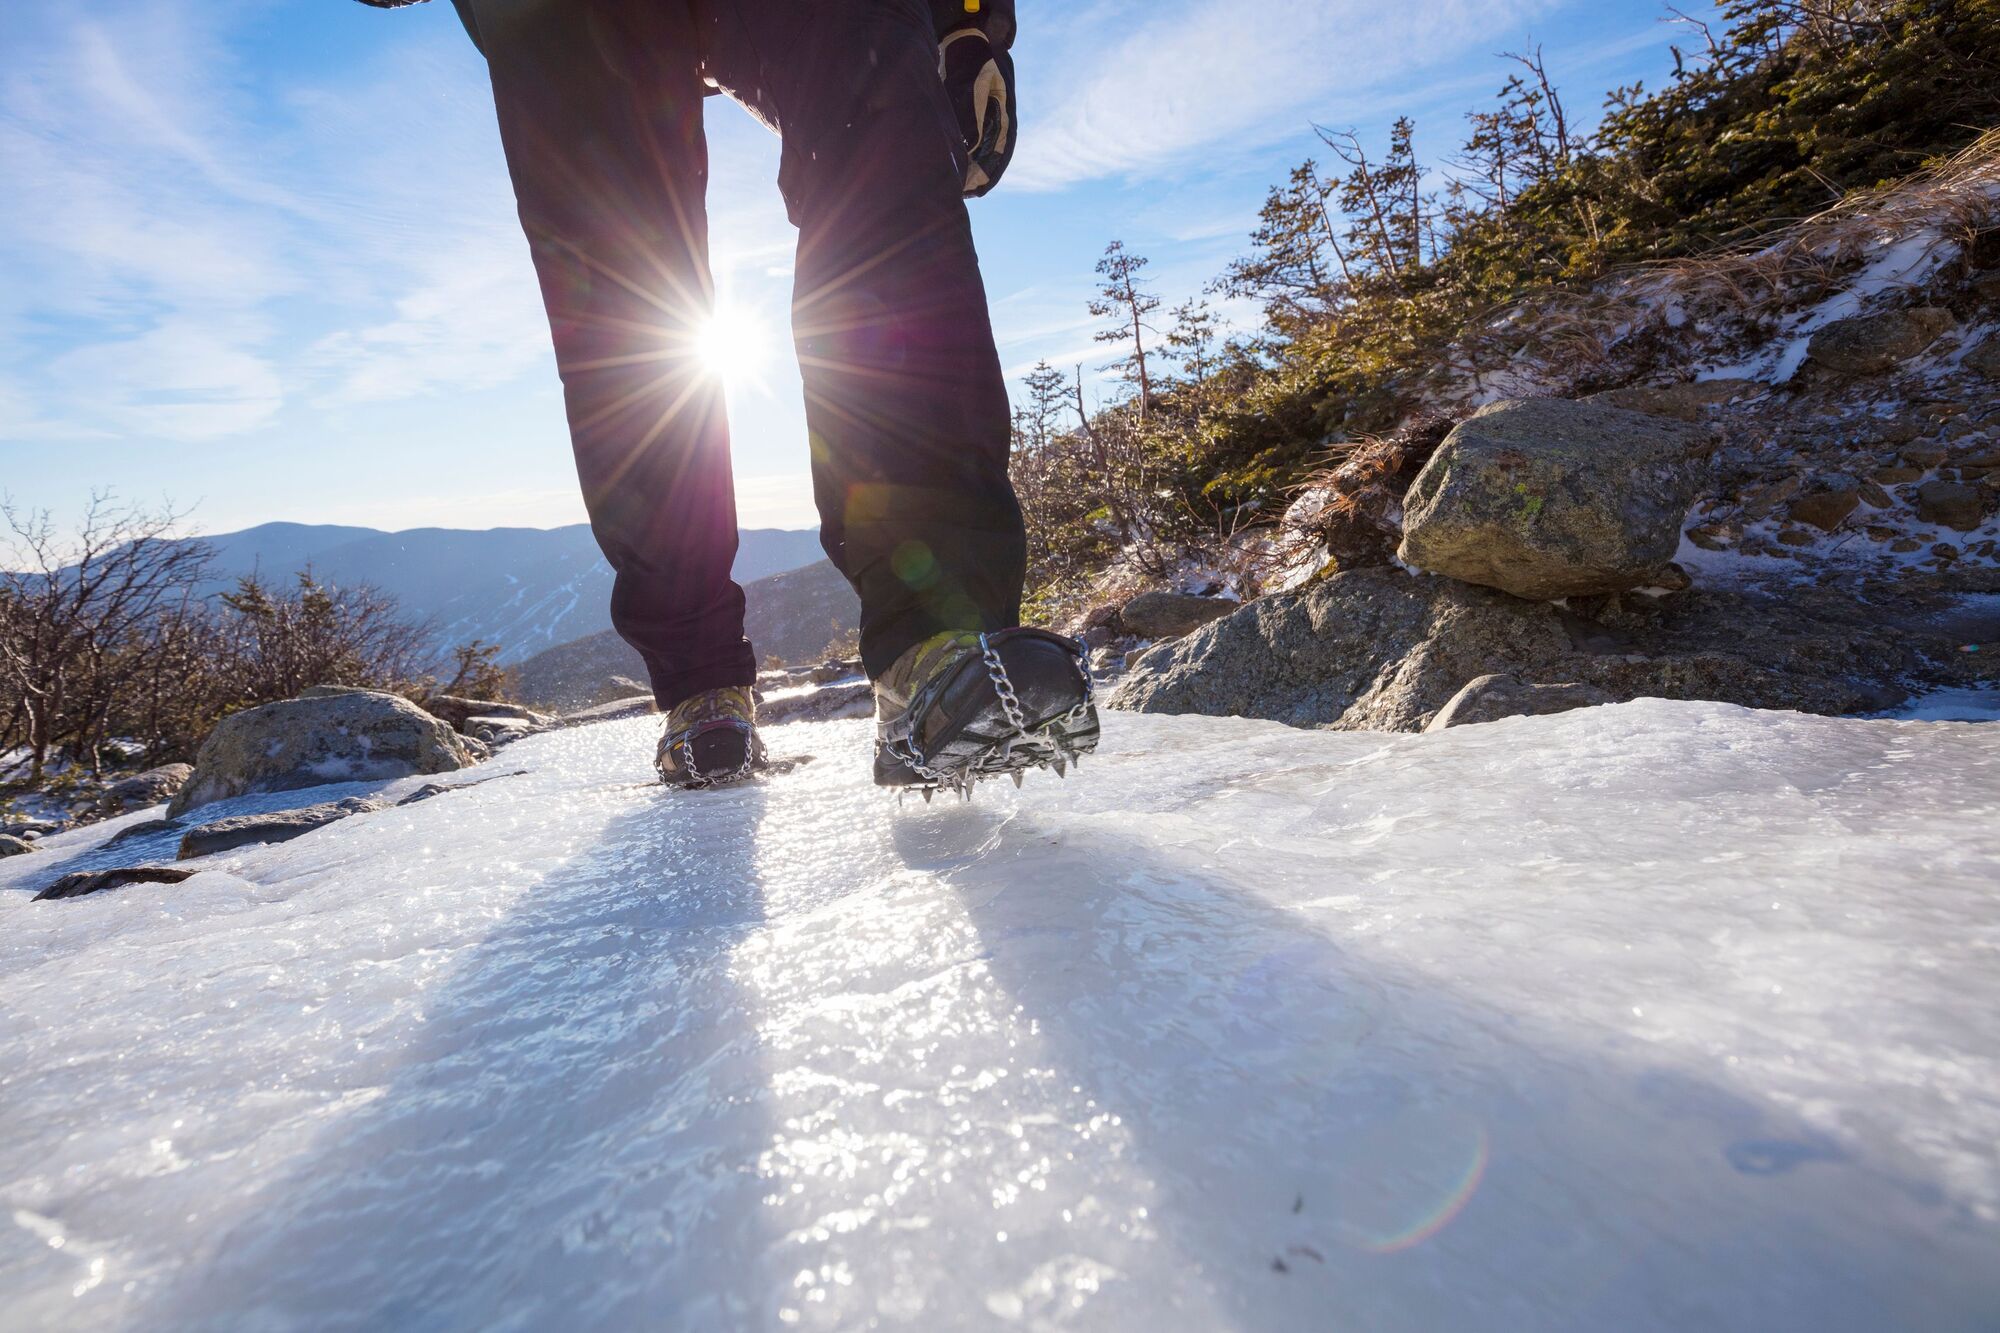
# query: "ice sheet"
1645,1017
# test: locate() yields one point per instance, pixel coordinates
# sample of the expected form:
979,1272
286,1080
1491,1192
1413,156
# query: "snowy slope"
1647,1017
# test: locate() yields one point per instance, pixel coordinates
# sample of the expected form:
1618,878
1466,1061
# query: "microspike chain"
683,750
1045,746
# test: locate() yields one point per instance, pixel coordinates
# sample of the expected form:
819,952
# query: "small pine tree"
1048,398
1124,298
477,673
1297,271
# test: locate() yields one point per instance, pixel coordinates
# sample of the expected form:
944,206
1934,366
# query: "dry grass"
1620,329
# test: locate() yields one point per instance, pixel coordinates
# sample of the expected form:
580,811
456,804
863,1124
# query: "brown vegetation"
111,648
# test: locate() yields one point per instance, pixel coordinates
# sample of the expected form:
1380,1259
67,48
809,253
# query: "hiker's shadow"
1336,1140
584,1093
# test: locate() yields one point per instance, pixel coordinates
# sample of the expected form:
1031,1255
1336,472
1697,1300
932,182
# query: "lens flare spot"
1451,1201
914,565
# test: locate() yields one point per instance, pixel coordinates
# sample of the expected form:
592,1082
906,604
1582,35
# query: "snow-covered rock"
1647,1017
150,788
817,703
329,735
224,835
82,883
1871,344
461,712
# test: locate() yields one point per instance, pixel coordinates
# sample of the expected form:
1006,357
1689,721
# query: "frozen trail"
1663,1016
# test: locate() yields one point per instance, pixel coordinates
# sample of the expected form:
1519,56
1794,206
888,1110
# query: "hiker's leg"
600,114
905,401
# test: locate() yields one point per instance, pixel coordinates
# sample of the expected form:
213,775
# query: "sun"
732,344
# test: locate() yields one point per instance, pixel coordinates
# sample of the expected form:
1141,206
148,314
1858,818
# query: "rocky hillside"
793,616
1770,478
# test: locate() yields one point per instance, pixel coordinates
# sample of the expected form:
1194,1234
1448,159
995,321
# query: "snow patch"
1905,260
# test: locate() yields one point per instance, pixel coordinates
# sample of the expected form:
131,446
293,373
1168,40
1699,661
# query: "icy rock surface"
1657,1016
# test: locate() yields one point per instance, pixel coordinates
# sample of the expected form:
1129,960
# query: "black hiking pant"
600,105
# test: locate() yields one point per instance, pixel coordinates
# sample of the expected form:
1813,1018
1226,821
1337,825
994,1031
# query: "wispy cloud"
179,380
196,249
1199,79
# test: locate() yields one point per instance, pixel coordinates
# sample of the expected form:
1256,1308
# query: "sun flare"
732,344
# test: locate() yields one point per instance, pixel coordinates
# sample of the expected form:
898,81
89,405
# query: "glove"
980,83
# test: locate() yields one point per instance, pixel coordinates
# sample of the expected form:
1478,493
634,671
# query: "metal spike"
1017,777
1060,767
928,793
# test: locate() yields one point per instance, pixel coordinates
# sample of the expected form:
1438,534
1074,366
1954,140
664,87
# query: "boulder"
145,828
1715,536
323,737
1544,498
430,789
1102,616
1762,500
1950,504
1384,650
13,846
1871,344
1683,402
84,882
1985,358
278,826
1321,657
1490,698
142,790
498,731
1825,510
459,711
817,705
835,669
613,710
1168,615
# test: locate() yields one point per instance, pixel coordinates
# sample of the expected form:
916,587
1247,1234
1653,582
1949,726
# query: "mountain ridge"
526,589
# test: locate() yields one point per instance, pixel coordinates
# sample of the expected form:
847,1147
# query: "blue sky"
259,257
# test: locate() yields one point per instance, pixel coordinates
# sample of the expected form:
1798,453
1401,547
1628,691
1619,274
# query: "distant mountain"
526,589
793,616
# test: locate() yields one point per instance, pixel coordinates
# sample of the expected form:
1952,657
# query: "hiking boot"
959,707
711,739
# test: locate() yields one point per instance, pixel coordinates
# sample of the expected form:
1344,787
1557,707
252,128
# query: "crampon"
1006,703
